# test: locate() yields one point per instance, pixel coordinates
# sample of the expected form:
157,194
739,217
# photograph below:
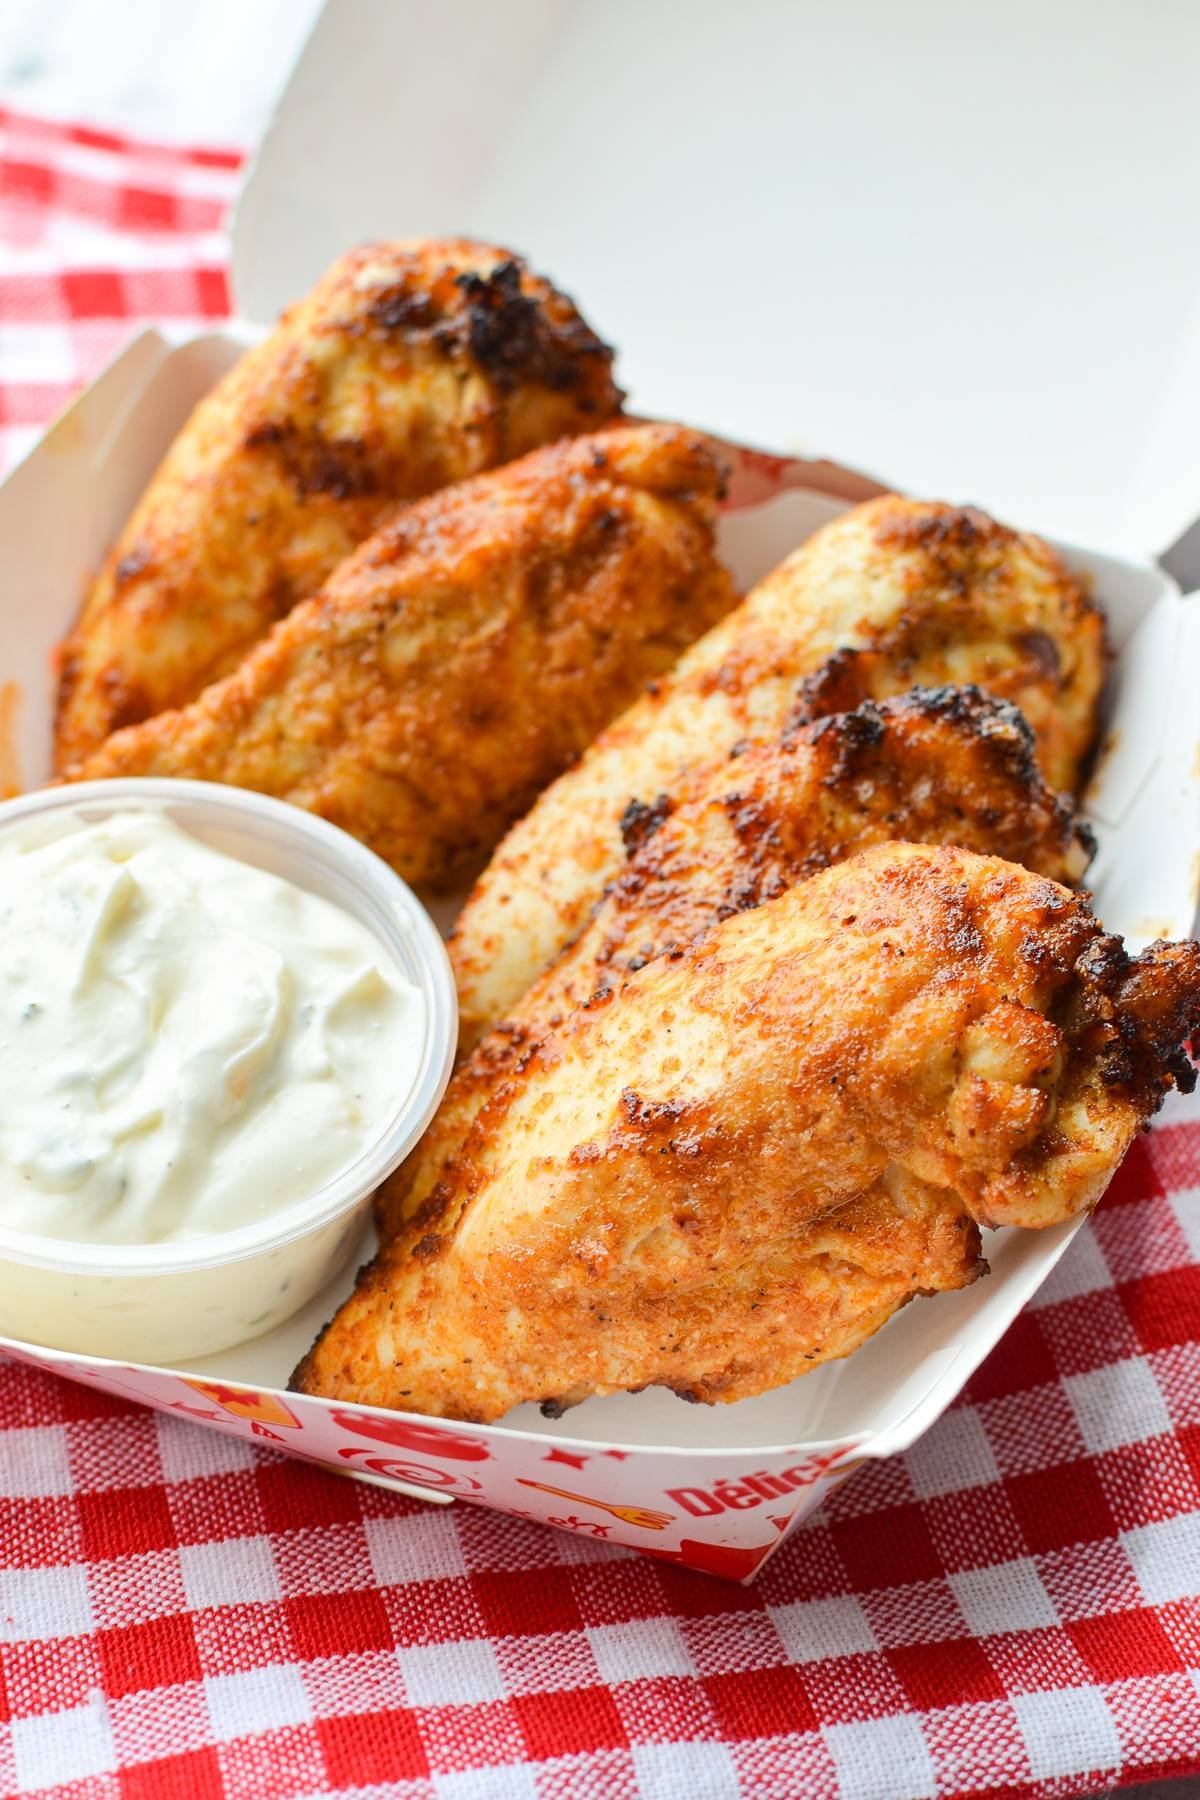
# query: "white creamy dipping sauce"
188,1044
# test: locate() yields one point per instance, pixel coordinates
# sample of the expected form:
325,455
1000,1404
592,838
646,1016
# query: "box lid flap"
900,236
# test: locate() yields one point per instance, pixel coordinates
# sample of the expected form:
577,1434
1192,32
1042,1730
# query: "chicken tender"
925,593
934,766
409,366
902,1047
466,652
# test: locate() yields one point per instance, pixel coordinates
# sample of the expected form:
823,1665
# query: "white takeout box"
713,1488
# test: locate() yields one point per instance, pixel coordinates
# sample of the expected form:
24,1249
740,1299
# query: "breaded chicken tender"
902,1047
460,659
934,766
925,593
409,366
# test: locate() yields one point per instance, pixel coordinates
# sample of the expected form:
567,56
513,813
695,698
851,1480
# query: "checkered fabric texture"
1009,1610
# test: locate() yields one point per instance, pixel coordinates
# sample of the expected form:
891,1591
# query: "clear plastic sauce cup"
166,1302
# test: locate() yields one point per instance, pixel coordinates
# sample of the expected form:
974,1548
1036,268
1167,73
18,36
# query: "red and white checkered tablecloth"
1009,1610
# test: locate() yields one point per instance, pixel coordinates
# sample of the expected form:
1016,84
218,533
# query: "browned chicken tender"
467,652
925,594
902,1047
934,766
409,366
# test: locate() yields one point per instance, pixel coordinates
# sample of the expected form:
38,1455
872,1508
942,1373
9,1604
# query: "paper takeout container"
715,1488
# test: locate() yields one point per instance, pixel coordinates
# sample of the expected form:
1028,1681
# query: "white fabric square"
256,1700
421,1547
190,1451
1165,1558
233,1572
879,1758
52,1749
1081,1271
685,1772
462,1674
956,1454
814,1629
1070,1732
1117,1405
639,1650
44,1603
1186,1207
1008,1597
512,1781
35,1462
37,353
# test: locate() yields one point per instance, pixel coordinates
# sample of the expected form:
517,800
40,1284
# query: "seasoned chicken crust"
902,1046
466,652
936,765
920,592
409,366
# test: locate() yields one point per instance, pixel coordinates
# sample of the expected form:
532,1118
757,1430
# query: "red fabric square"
1125,1646
1022,1361
1060,1506
569,1724
955,1672
761,1702
890,1548
147,209
157,1653
94,294
27,1396
694,1596
373,1747
216,159
120,1522
96,139
196,1775
212,293
1164,1309
1189,1443
974,1529
79,1404
297,1493
1136,1179
31,182
519,1603
338,1624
